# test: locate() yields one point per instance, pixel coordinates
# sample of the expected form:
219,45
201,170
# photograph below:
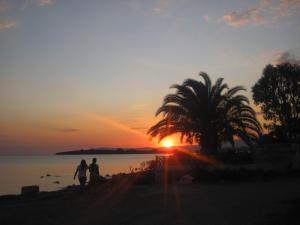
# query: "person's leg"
82,182
92,181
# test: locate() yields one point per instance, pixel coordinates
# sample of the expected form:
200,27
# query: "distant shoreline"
117,151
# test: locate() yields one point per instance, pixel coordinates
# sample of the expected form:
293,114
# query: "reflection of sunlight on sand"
173,164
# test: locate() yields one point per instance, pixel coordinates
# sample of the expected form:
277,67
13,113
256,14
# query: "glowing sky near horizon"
80,74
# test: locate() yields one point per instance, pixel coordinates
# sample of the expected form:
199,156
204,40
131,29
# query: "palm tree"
207,114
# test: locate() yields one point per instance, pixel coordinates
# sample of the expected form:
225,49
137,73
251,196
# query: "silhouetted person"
94,172
81,170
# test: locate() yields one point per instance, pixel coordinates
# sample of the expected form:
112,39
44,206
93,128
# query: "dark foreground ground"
273,202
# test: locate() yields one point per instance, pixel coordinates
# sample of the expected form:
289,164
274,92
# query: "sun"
167,143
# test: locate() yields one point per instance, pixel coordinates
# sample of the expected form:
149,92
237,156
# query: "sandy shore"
264,202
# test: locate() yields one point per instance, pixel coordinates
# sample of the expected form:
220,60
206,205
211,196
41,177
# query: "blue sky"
65,64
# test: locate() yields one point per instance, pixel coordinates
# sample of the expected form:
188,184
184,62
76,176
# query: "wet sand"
264,202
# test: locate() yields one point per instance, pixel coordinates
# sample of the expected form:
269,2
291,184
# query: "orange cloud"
67,130
6,24
287,56
207,18
44,2
160,6
40,3
266,11
237,19
288,7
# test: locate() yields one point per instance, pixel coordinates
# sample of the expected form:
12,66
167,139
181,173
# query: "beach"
276,201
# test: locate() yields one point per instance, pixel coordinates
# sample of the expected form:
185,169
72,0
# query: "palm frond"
207,114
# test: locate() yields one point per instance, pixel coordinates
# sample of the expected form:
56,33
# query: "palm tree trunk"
209,144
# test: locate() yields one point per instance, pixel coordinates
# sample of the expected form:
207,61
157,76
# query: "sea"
54,172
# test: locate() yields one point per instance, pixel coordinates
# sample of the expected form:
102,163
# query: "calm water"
18,171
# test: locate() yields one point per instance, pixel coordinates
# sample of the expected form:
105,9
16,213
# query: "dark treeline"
277,93
110,151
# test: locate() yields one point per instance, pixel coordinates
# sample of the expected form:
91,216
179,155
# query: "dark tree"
207,114
277,92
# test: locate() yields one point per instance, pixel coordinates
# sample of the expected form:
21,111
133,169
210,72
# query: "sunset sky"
80,74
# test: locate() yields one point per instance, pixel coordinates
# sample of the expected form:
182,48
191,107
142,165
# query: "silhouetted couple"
93,169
